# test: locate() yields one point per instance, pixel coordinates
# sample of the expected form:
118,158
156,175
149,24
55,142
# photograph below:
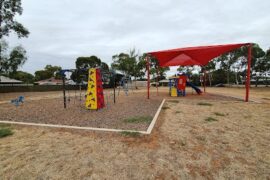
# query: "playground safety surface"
113,116
49,109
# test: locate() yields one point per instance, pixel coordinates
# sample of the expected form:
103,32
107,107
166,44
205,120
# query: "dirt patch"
181,146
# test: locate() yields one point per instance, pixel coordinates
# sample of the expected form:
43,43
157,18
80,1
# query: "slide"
194,87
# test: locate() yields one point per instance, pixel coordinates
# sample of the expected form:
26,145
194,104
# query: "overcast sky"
62,30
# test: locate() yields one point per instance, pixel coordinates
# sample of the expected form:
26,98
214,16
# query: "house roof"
51,80
7,80
164,81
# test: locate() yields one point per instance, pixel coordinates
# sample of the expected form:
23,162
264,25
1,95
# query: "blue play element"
18,101
194,87
181,92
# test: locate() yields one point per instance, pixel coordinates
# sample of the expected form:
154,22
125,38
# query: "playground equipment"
18,101
177,85
96,93
95,97
200,55
124,84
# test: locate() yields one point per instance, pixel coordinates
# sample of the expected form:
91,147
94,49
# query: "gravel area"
47,108
51,111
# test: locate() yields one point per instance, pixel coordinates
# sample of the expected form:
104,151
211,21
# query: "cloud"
63,30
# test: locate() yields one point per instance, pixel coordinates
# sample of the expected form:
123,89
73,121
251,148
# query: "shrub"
204,104
219,114
210,119
5,132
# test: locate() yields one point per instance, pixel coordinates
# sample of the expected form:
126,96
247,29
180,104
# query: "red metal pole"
148,77
204,79
248,72
157,80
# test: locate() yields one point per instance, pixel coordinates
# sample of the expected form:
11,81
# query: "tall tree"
11,61
227,60
48,72
87,62
23,76
262,67
209,68
8,10
256,59
82,66
185,69
128,64
155,69
125,62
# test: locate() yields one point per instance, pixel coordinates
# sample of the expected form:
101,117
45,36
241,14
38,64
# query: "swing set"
66,93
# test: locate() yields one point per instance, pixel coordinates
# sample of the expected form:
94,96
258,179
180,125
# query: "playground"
46,109
197,136
41,108
180,131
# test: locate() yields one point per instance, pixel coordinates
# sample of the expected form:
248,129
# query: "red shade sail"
199,55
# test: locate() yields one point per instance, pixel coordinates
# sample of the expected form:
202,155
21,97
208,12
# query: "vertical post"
148,76
248,72
157,83
113,87
64,91
204,80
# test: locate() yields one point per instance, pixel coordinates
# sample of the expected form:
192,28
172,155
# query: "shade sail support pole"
204,79
248,72
157,83
148,77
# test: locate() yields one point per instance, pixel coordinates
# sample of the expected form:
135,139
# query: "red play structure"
200,55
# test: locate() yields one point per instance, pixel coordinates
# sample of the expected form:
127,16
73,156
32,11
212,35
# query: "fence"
5,88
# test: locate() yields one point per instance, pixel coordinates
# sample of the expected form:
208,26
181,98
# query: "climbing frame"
95,97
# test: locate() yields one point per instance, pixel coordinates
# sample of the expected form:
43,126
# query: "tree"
23,76
17,57
82,66
87,62
8,10
42,75
185,69
11,61
48,72
125,62
210,67
128,64
262,66
155,69
256,59
227,60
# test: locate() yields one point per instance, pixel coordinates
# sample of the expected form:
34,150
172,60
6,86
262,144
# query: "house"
164,82
50,81
9,81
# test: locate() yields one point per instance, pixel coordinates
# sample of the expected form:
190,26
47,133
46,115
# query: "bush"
204,104
5,132
210,119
